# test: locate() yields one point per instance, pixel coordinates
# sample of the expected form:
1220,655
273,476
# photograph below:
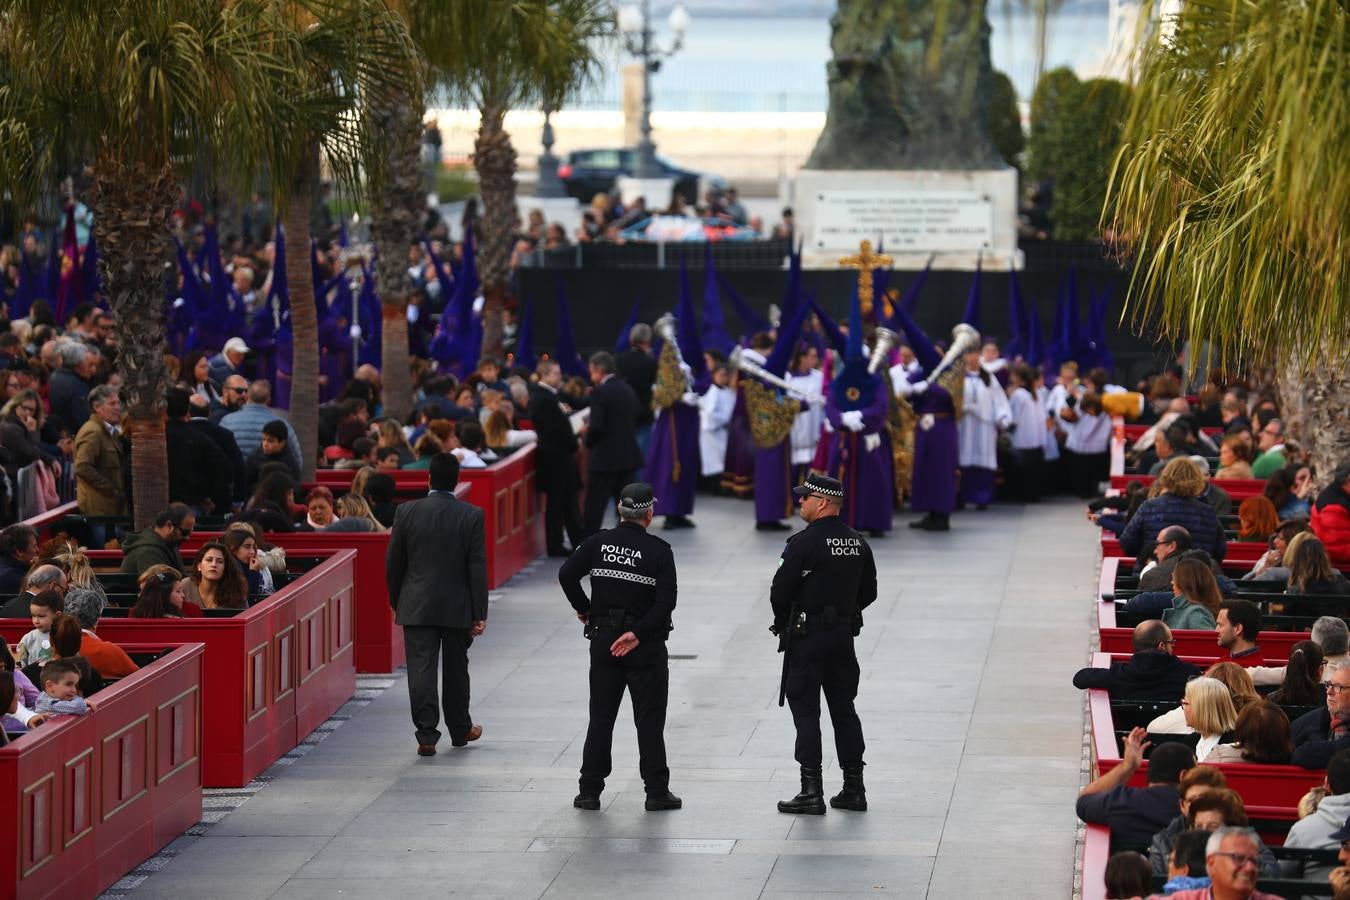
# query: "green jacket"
1185,614
1268,463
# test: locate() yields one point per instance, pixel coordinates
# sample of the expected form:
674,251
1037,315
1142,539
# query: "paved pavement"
974,745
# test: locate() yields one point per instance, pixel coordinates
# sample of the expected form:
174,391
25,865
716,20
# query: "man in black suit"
555,461
637,366
611,436
436,571
43,578
1152,673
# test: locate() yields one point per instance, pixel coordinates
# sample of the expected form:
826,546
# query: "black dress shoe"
679,522
667,800
876,533
922,523
587,801
426,749
772,526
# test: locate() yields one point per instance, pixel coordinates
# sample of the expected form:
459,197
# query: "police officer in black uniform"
825,579
627,621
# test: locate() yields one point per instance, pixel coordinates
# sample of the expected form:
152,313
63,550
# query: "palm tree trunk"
398,205
494,159
132,211
1313,406
304,321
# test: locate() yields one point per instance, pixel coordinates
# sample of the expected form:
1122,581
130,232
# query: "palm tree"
501,55
1231,190
344,62
137,88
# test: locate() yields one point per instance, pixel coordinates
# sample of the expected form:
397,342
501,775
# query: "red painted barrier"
1135,432
273,673
45,522
505,491
1237,488
93,796
1267,791
1238,551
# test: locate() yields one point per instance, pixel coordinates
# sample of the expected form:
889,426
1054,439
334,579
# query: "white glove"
871,442
689,398
852,420
927,421
919,386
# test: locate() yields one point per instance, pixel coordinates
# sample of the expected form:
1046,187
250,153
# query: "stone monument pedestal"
956,217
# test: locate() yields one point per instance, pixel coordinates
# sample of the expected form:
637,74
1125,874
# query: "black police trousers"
824,662
645,672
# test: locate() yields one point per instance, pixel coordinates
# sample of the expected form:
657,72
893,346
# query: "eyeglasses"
1185,702
1239,859
237,390
1337,688
1172,642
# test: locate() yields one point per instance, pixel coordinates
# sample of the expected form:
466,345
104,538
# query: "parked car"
590,172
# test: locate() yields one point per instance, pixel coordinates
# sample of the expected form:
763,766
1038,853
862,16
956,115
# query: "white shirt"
715,409
1028,419
984,411
1091,434
806,427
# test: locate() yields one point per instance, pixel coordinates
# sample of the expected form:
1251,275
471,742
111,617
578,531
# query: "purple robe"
773,483
674,460
868,477
738,468
978,485
935,452
335,347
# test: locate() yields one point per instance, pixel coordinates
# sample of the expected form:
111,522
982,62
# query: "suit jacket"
612,432
198,469
555,460
436,568
638,368
99,488
224,439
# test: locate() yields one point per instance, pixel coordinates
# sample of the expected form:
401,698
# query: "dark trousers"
602,492
824,661
1027,473
646,674
561,511
1087,471
447,649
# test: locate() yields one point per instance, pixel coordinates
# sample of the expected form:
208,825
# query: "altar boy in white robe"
984,411
1028,434
714,416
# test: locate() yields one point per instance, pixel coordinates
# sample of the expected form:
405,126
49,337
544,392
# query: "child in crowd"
272,448
61,690
36,645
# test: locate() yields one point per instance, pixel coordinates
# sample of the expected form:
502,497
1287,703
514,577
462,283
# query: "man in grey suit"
437,576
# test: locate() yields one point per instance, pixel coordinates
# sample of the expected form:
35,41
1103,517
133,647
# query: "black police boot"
587,800
922,523
811,800
854,795
663,801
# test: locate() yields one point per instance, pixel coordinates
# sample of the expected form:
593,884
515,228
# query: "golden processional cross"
865,261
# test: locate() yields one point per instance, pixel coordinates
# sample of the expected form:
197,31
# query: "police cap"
823,485
636,497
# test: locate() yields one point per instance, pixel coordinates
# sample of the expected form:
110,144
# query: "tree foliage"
1231,184
1046,104
1005,120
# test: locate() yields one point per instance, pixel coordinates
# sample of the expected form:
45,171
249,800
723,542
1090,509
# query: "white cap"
235,345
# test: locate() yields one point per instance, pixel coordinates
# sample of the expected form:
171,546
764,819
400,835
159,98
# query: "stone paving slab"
974,745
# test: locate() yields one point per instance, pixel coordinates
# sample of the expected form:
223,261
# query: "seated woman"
1241,692
1207,709
67,638
272,503
110,660
161,596
353,514
1234,459
1302,491
186,608
1176,503
271,558
1223,808
214,580
499,434
427,446
1260,735
318,509
379,495
1257,520
1302,685
79,572
1310,572
243,549
391,435
1195,597
1271,567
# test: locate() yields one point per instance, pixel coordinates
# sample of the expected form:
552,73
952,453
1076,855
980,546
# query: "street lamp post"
549,185
636,24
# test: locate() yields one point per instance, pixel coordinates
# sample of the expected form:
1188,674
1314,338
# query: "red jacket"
1331,524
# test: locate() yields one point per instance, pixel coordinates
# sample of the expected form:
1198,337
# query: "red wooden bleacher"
88,798
273,673
505,491
1237,488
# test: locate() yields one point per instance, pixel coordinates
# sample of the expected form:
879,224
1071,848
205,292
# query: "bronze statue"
898,102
